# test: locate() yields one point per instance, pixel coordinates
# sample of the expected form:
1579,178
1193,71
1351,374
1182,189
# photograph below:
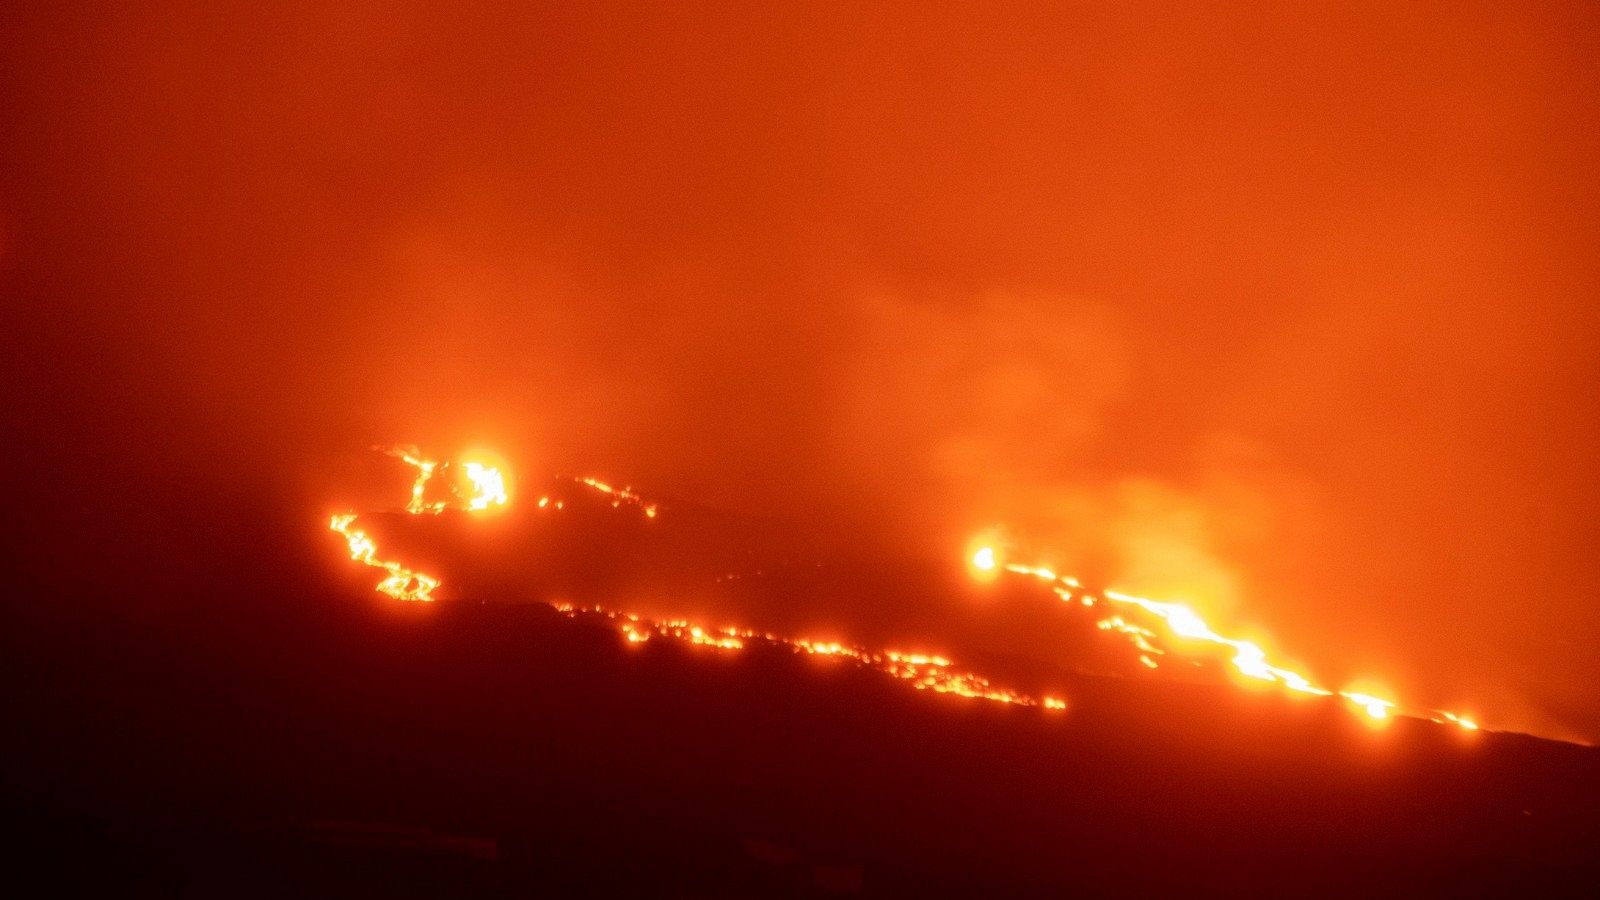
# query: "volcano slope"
325,741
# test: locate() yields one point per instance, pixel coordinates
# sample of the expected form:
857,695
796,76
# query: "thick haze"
1290,311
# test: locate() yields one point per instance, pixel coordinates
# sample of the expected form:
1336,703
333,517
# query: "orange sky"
1288,310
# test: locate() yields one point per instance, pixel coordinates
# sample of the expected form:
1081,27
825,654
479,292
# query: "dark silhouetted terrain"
343,745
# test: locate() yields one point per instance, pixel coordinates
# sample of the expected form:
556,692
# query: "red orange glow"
921,670
621,495
1183,623
402,583
483,487
489,486
488,489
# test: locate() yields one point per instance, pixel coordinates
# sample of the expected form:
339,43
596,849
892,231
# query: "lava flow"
479,487
488,489
482,487
402,583
1182,622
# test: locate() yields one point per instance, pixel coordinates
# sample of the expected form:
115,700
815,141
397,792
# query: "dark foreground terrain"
469,750
279,733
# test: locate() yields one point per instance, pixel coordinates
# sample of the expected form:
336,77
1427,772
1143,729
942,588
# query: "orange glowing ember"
622,495
1182,622
920,670
923,672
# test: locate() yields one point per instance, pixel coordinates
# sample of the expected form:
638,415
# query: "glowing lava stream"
924,672
402,583
921,671
1182,622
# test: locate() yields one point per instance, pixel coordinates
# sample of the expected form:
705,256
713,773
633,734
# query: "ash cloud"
1287,314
